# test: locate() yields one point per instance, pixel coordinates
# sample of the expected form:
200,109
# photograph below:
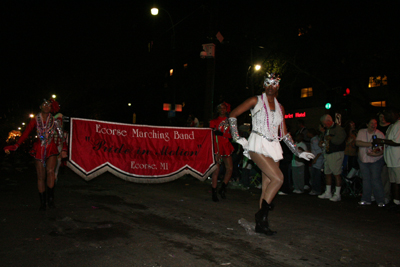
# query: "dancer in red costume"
223,150
263,147
44,149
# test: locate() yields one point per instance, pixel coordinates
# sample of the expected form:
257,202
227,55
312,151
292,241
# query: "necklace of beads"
45,133
273,119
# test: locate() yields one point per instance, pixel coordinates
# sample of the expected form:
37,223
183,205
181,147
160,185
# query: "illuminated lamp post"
154,11
133,115
251,70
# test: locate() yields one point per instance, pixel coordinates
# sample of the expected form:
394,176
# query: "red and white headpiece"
55,107
228,106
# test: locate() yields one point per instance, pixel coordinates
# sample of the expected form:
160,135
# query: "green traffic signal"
328,105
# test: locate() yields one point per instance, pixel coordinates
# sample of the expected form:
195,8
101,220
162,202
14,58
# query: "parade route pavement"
111,222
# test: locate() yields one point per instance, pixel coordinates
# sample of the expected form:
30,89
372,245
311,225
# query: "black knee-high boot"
50,197
42,197
222,190
214,194
262,224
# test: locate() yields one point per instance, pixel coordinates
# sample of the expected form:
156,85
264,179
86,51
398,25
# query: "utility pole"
209,55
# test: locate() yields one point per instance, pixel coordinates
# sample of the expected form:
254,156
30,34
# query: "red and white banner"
139,153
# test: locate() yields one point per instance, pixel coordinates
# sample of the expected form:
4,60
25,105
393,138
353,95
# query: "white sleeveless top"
263,139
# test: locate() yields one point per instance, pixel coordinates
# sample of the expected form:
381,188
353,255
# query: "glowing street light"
31,115
154,11
53,96
249,76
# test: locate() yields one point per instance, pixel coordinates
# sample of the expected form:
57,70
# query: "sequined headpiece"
271,79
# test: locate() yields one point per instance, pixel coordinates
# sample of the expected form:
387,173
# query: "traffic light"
346,92
328,105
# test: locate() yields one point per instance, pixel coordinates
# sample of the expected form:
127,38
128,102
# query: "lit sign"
178,108
296,115
166,106
289,116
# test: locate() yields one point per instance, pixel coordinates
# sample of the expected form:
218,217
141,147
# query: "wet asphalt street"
110,222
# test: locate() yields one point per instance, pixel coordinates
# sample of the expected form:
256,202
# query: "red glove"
11,148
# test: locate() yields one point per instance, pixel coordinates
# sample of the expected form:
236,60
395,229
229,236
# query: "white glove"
306,155
243,141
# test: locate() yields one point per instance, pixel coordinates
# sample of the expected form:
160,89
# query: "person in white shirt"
392,151
370,159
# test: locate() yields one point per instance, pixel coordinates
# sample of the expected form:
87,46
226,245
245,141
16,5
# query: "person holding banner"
44,149
263,147
223,150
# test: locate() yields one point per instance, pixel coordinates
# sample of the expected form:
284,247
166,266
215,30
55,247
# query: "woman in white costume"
263,146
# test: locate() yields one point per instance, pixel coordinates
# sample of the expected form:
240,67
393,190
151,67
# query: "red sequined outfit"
38,151
222,144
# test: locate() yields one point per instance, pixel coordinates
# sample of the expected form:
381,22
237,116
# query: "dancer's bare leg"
264,185
214,176
272,176
57,166
228,168
50,167
41,176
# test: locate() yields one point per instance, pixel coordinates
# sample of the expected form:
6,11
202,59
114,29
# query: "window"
377,81
178,108
166,106
378,103
306,92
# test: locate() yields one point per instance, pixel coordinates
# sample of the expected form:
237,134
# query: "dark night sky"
94,54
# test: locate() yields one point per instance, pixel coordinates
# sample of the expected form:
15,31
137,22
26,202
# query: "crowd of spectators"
341,153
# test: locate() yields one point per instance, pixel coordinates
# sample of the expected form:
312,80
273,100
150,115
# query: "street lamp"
154,11
255,68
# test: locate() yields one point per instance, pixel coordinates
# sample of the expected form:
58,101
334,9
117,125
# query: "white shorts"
394,175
